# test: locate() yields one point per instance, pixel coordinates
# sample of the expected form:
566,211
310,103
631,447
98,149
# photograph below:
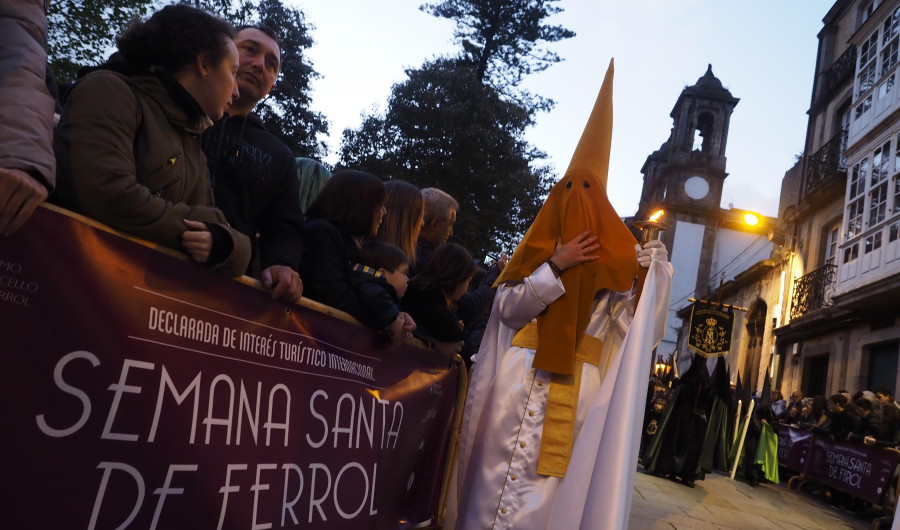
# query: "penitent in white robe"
497,485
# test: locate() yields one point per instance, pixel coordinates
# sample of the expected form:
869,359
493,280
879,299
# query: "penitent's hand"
575,251
197,240
652,251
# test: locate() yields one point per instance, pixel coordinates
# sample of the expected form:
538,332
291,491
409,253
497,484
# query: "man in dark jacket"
254,174
841,422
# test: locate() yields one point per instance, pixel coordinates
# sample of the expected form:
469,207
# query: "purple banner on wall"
142,391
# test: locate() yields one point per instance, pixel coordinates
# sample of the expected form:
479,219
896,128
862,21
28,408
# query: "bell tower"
688,171
684,177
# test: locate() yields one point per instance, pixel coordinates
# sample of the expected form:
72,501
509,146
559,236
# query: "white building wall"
735,252
685,258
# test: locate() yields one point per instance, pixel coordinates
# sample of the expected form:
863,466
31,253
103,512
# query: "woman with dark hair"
348,209
817,414
432,295
404,218
127,144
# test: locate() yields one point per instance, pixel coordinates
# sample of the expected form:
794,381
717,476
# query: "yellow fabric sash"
562,402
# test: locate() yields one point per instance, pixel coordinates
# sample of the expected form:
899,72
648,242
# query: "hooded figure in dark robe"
676,452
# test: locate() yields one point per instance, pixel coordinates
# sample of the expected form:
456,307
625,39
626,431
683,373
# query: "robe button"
531,413
503,511
522,445
540,383
513,477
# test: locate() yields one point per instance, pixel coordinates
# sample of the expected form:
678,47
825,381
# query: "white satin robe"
497,485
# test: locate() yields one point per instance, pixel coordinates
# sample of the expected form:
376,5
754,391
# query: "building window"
863,107
886,87
891,27
831,245
888,57
867,10
889,41
858,178
877,204
868,49
866,80
855,217
897,155
881,163
896,208
851,253
893,232
873,242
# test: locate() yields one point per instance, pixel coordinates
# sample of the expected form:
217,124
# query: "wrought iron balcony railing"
826,162
839,72
813,291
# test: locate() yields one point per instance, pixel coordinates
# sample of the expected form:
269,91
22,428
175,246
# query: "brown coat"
129,156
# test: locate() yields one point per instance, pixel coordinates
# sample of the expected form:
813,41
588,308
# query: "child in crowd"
433,292
381,278
347,211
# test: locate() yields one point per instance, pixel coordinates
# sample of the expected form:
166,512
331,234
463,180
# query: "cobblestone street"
718,502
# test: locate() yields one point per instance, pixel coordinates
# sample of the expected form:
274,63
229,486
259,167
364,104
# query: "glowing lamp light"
751,219
651,227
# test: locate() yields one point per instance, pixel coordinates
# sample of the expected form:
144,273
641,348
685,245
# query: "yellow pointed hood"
576,203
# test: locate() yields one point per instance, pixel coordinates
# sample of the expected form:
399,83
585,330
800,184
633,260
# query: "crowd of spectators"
869,417
161,142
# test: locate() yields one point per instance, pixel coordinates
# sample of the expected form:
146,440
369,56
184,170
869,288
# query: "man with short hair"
796,402
841,422
254,174
884,397
440,215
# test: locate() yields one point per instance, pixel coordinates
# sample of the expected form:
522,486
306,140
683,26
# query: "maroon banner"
793,444
138,390
860,470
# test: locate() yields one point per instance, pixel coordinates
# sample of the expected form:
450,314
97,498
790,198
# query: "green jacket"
128,155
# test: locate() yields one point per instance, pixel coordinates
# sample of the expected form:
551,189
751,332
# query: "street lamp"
751,218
